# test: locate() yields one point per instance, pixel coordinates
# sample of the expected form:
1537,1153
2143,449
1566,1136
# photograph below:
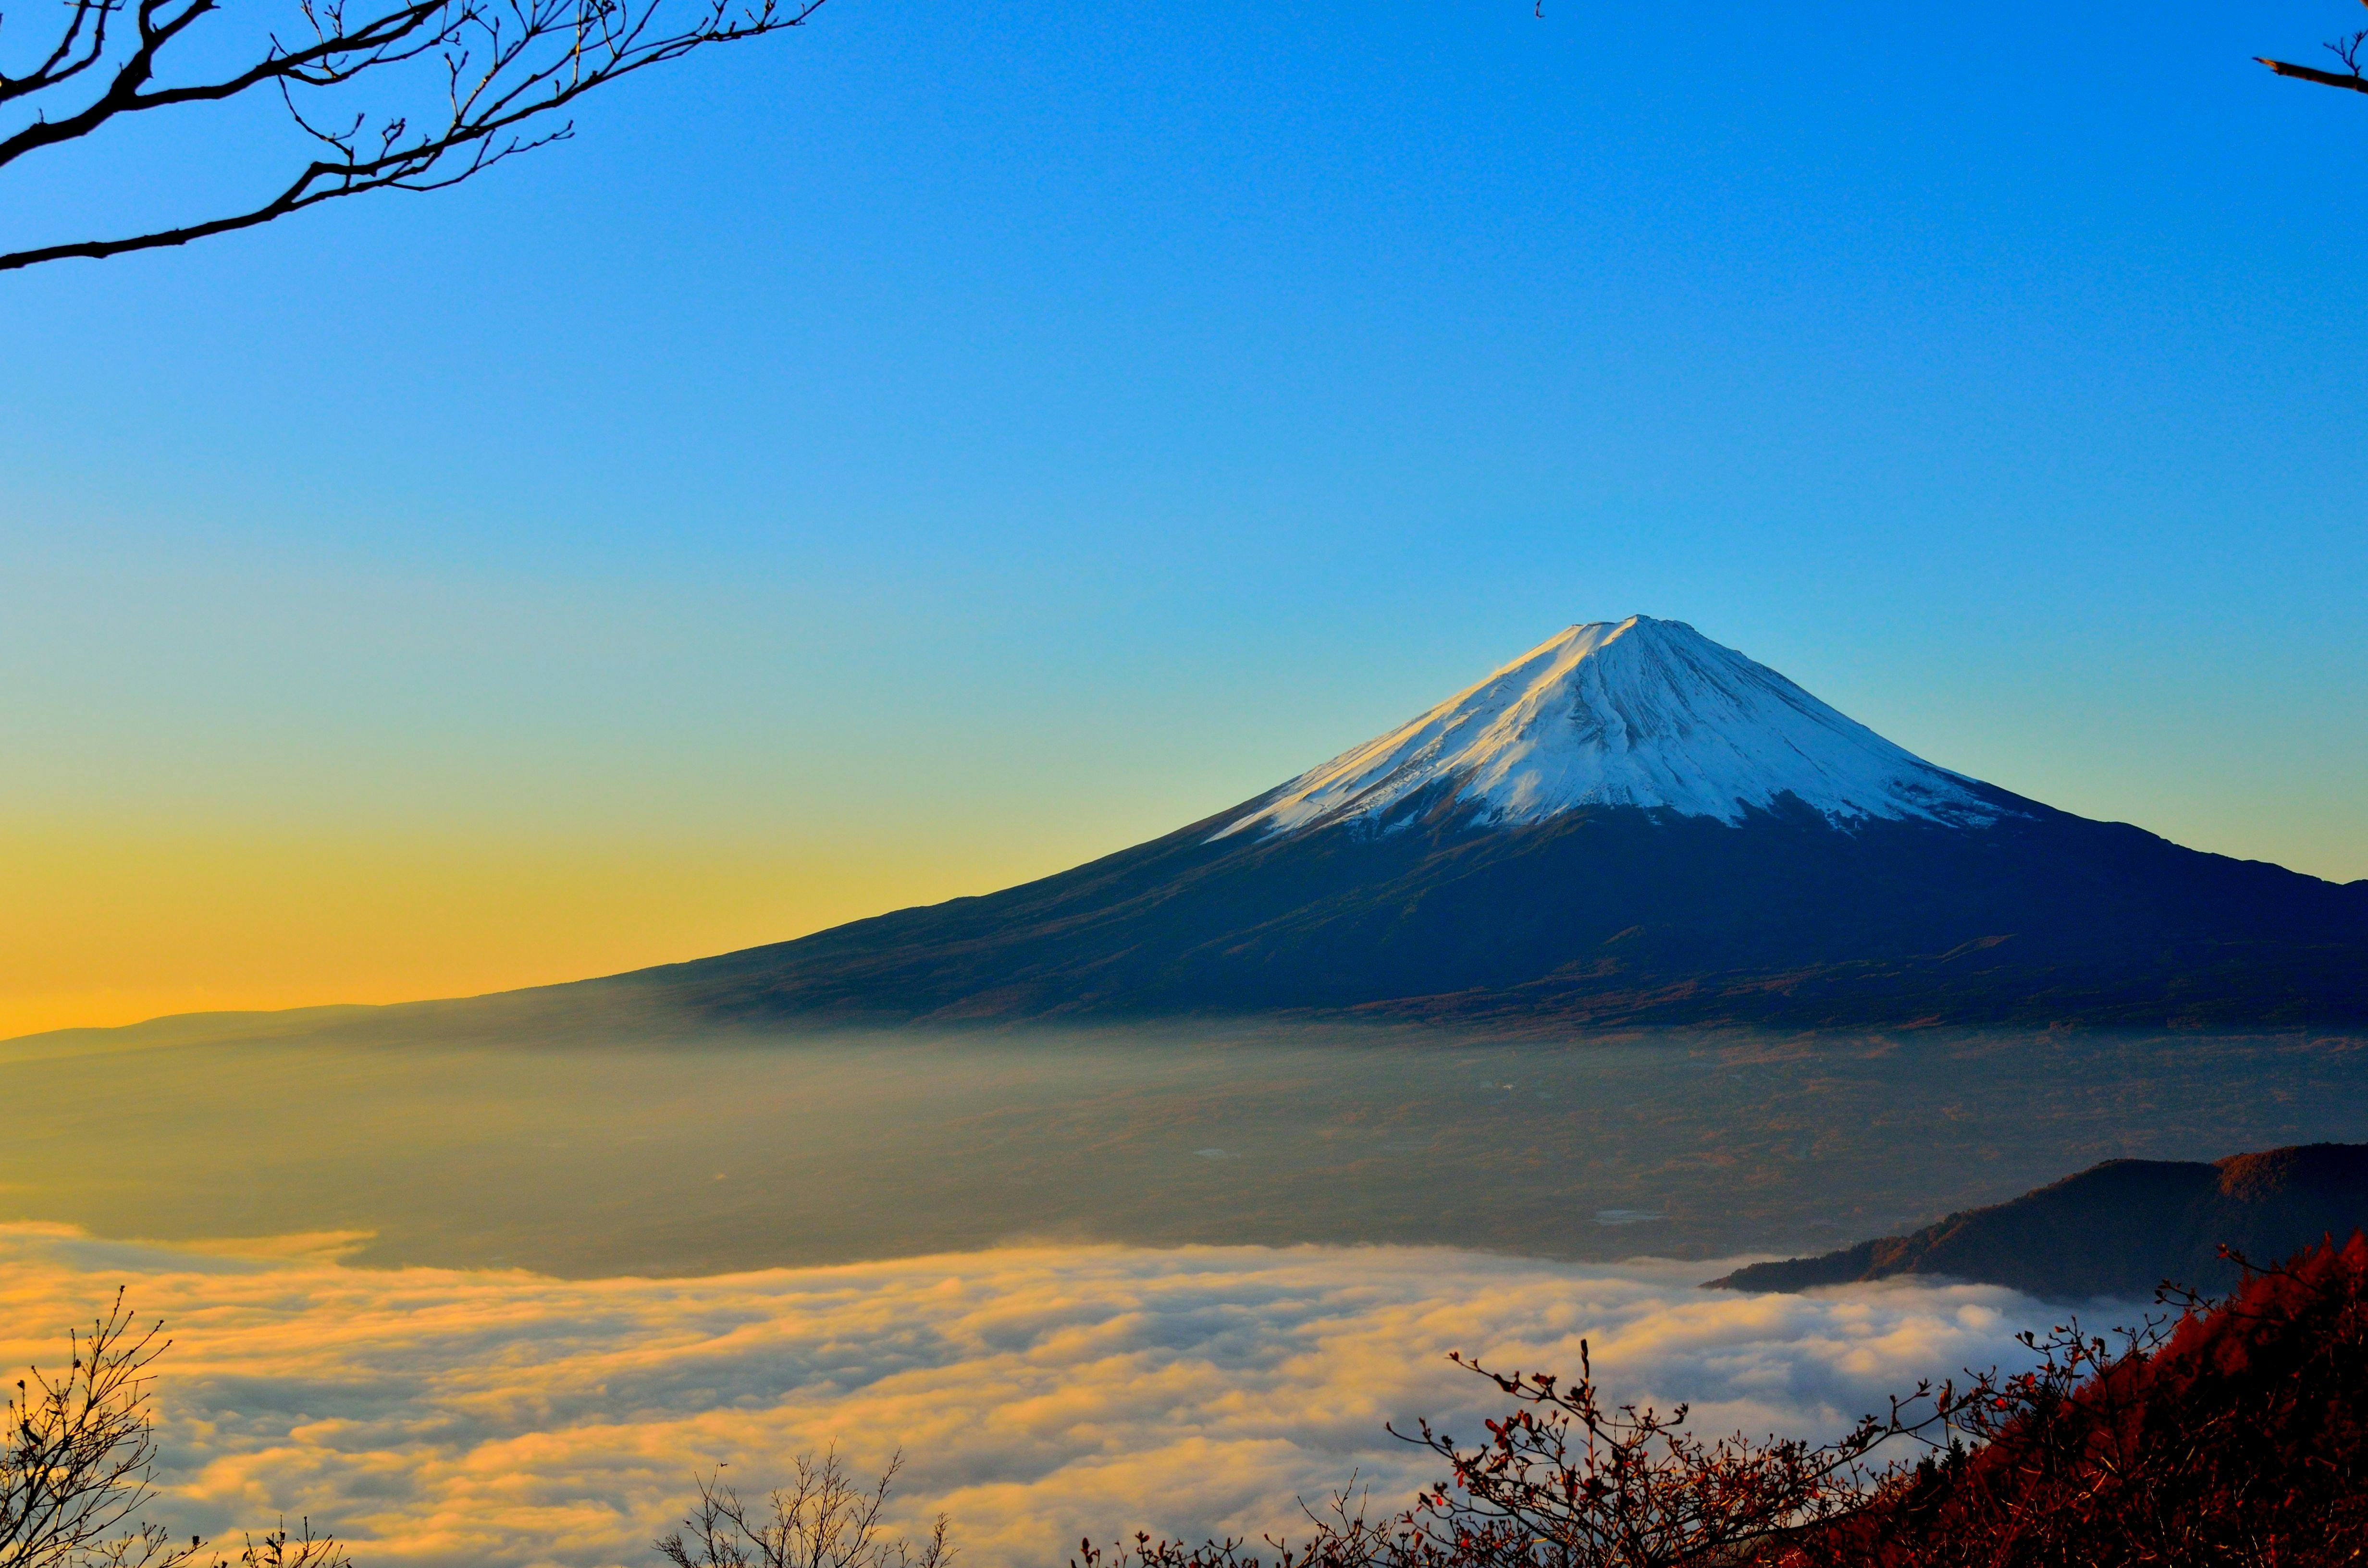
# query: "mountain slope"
1640,712
1629,824
2120,1228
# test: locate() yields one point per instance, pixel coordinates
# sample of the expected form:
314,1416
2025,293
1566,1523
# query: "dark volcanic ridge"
2118,1229
1600,916
1631,824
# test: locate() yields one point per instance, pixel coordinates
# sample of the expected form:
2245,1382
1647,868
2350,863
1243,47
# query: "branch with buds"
78,1460
479,81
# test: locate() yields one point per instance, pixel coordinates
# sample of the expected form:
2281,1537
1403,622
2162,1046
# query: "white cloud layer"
441,1417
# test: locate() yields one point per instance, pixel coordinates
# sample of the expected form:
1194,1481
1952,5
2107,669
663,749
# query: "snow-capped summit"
1934,898
1637,712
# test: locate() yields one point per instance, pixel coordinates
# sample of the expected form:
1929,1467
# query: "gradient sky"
931,448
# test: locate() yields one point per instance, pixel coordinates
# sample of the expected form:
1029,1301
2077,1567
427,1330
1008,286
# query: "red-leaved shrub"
2239,1437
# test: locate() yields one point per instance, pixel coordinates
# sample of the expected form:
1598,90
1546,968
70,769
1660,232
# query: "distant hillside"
2117,1228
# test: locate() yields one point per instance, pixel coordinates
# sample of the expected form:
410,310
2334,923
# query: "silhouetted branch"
497,71
78,1459
1566,1482
80,1452
823,1519
2346,50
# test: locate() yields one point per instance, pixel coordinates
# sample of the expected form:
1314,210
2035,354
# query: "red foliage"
2241,1439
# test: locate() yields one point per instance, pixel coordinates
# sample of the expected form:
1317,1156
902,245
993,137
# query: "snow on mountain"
1638,713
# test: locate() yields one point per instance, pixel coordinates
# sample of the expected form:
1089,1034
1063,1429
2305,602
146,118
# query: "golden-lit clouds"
105,924
447,1417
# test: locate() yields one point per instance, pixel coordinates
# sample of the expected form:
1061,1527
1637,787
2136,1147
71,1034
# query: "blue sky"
954,442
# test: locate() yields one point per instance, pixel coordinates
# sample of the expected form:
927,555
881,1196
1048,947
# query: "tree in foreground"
78,1461
2236,1434
823,1519
1565,1480
379,94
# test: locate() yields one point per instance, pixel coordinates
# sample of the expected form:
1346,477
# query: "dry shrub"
77,1466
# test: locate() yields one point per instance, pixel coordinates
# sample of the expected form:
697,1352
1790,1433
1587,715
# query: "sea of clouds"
447,1417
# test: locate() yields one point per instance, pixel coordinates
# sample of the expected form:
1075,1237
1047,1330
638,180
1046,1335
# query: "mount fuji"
1629,824
1641,712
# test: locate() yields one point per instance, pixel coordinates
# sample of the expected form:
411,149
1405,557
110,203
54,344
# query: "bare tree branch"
499,73
2346,50
2357,82
78,1459
826,1520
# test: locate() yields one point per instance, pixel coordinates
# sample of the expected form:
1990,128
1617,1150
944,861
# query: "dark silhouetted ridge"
1629,824
2117,1228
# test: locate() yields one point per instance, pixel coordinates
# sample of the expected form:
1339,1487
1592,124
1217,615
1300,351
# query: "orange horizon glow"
105,928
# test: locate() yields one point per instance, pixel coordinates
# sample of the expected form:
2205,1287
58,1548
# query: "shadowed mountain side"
1599,914
2117,1228
1628,825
